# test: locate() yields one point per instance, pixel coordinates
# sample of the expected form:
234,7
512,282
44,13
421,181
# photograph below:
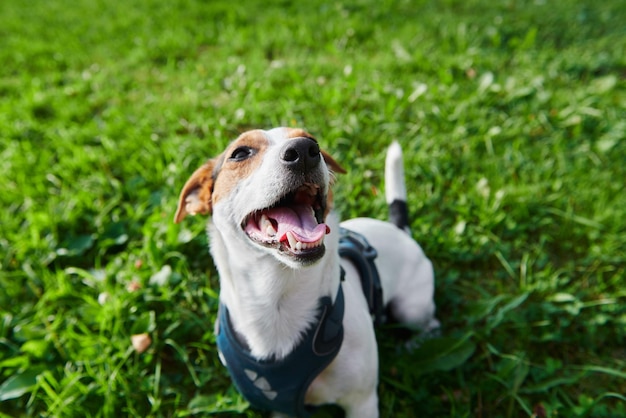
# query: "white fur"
395,188
272,299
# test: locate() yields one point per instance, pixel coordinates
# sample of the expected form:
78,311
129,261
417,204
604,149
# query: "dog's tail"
395,187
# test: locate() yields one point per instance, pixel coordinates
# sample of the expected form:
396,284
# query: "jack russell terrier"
299,291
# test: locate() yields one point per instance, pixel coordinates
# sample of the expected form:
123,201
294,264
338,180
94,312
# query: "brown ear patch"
334,165
195,197
335,168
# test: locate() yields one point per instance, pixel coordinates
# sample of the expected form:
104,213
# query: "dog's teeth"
292,240
266,225
299,245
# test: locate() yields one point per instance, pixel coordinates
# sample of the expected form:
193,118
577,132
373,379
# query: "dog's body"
275,240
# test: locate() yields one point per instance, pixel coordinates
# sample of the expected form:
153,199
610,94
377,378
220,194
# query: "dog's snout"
302,154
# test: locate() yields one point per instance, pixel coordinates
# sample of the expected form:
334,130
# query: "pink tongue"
299,220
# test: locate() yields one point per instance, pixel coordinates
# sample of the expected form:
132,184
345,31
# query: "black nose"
301,154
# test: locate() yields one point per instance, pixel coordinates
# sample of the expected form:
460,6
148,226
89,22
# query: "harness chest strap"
281,385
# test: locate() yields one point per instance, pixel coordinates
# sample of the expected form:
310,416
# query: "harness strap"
281,385
357,249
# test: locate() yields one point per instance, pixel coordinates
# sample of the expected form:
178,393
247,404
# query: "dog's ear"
334,165
196,194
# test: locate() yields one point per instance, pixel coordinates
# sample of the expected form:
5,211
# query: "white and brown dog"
295,329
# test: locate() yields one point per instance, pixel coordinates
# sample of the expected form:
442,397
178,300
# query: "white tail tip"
395,188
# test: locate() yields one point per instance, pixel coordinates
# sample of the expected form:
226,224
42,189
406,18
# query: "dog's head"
269,190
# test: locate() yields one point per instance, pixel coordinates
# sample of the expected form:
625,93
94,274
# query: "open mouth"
294,224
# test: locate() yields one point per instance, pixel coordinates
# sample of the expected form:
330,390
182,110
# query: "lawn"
512,116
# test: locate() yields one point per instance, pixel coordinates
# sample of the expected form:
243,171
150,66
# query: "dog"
294,326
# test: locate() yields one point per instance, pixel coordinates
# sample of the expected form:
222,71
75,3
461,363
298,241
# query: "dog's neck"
272,305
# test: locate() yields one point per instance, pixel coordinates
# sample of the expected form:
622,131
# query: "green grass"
512,115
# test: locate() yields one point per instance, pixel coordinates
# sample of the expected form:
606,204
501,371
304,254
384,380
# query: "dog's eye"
242,153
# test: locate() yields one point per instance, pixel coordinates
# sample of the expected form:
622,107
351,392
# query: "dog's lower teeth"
266,225
296,245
